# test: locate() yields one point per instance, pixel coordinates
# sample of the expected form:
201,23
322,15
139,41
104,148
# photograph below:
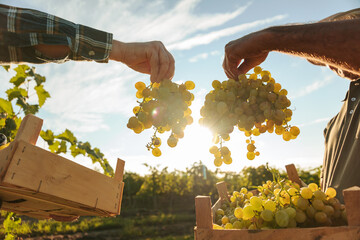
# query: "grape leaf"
54,147
16,92
17,80
28,109
48,136
10,124
5,106
62,148
67,135
76,151
42,94
21,69
39,79
6,67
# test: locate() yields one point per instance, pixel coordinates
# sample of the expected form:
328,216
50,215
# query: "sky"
95,100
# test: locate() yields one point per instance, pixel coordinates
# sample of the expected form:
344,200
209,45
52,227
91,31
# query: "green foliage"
10,224
59,144
26,84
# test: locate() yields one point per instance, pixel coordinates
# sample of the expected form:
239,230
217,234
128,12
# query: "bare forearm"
336,44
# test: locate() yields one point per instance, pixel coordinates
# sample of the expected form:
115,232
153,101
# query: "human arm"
335,44
145,57
32,36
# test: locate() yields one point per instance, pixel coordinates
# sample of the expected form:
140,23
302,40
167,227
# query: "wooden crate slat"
293,174
42,171
29,129
323,233
6,155
352,201
203,212
222,190
35,203
204,230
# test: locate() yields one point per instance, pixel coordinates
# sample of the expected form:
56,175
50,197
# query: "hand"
148,57
243,54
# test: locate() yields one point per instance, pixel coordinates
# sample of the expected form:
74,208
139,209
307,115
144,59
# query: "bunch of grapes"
281,205
254,103
165,107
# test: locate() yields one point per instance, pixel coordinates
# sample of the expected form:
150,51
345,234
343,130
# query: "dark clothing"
21,29
342,145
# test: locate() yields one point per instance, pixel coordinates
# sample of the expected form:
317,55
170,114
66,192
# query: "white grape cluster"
164,106
281,205
254,103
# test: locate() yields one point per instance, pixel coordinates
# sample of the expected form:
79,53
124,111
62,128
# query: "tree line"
176,190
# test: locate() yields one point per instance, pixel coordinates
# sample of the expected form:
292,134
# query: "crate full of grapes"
41,184
281,210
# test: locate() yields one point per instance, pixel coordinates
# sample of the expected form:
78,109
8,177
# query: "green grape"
256,203
329,210
330,192
270,205
302,203
320,217
228,226
290,211
310,211
269,208
238,212
306,193
318,204
318,194
172,141
156,152
220,212
218,162
225,220
300,216
282,218
267,215
164,115
248,212
237,225
313,187
253,104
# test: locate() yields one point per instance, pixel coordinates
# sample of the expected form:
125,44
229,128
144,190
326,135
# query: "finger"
171,70
250,63
230,68
164,64
154,67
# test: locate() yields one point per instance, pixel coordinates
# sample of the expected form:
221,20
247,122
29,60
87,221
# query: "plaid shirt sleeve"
21,29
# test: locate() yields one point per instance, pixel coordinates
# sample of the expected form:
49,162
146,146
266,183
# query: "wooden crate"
41,184
205,214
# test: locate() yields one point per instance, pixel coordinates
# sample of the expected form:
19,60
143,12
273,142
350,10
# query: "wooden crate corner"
41,184
205,217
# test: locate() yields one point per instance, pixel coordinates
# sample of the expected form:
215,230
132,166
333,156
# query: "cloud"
83,94
316,121
313,87
203,56
202,39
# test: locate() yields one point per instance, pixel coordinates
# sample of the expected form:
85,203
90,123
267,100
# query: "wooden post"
119,171
203,212
222,190
293,174
29,129
119,175
352,201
